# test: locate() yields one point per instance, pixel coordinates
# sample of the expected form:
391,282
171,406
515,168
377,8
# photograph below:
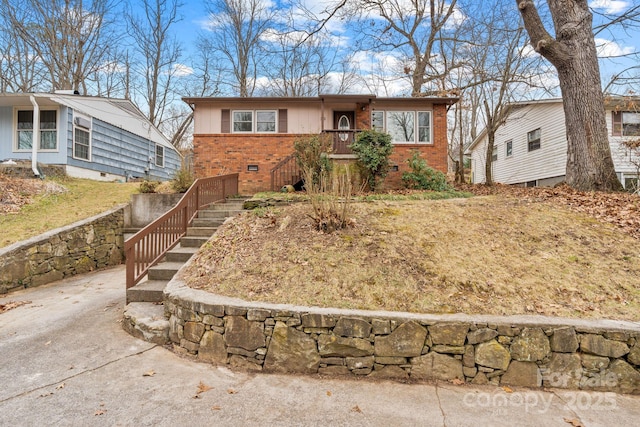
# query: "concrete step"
207,222
146,321
214,213
229,205
164,270
147,291
193,241
180,254
201,231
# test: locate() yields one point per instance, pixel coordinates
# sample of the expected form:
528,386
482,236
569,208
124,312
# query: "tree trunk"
573,54
488,170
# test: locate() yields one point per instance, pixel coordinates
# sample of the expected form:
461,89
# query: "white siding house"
530,148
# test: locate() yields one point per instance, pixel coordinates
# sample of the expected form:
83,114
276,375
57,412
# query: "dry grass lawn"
29,207
492,255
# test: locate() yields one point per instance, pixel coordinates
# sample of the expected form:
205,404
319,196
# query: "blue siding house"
89,137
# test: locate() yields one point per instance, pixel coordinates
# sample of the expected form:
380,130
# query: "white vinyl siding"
523,165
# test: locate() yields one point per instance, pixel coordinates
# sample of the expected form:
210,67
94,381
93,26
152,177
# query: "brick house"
254,136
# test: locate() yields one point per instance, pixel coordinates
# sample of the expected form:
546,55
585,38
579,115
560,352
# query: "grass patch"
486,255
74,200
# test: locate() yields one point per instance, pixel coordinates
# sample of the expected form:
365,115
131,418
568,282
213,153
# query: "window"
265,121
81,143
401,126
159,155
48,130
405,127
81,138
424,127
243,121
377,120
626,123
533,139
509,145
494,154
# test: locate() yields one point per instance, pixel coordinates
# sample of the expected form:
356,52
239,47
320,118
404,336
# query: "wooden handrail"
287,171
148,246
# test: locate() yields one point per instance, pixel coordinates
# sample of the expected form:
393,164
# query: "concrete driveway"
65,360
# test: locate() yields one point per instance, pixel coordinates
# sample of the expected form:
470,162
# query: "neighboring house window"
265,121
159,155
509,148
533,139
81,138
625,123
48,130
243,121
81,143
494,154
377,120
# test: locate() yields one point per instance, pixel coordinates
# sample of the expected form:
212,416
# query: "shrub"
182,180
422,177
373,149
148,186
312,156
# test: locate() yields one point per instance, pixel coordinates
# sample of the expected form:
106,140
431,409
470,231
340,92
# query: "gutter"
35,140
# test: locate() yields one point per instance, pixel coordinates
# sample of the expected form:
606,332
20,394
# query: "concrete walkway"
65,360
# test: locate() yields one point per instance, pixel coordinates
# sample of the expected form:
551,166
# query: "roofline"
323,97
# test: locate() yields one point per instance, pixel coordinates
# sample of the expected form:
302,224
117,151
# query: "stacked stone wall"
530,352
85,246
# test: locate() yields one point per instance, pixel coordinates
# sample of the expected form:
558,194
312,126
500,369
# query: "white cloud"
612,7
181,70
607,48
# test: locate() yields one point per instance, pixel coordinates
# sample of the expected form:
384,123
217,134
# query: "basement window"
252,168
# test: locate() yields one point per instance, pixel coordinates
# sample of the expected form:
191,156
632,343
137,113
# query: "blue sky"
612,45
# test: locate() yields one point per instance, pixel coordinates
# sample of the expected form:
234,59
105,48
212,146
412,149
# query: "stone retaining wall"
77,248
529,351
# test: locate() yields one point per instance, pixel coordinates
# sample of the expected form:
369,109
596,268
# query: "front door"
343,121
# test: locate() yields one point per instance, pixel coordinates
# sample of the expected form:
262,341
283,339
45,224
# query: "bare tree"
20,69
158,53
71,38
417,32
573,53
237,27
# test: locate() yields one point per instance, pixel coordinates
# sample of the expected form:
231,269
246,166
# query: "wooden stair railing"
286,172
147,247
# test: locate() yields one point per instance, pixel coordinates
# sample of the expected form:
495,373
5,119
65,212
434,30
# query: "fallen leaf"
574,422
457,381
149,373
61,386
507,389
47,343
356,409
100,412
11,305
328,393
215,408
231,391
202,387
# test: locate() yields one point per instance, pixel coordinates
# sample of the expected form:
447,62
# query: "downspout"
35,140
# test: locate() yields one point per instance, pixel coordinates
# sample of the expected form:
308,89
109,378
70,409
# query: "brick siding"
230,153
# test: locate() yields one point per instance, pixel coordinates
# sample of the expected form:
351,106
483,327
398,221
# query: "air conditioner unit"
82,122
